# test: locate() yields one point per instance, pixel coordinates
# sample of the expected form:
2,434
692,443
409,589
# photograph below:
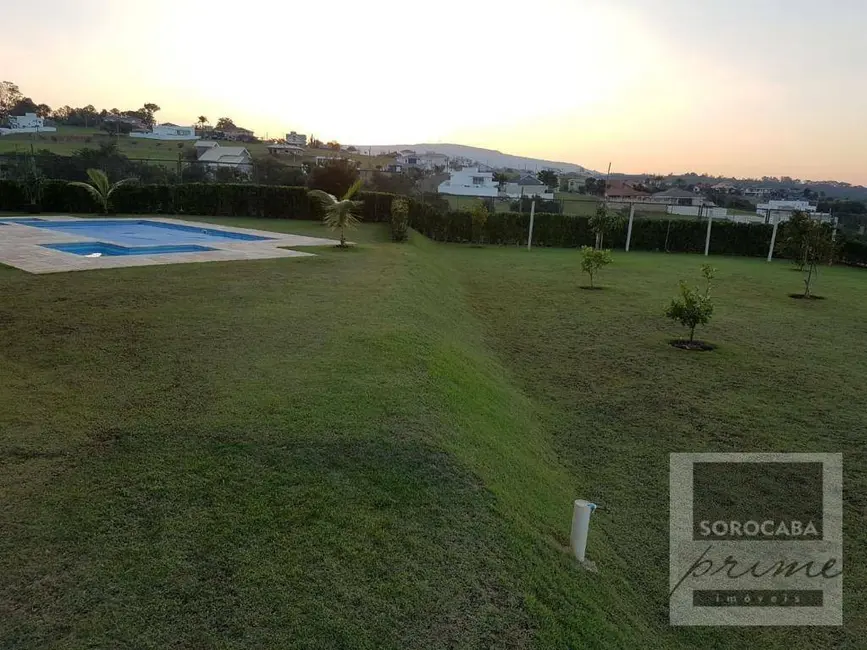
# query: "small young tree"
593,260
100,188
340,214
798,230
479,216
818,245
603,222
693,308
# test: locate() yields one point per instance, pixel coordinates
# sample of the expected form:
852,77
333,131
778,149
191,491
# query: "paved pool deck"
21,247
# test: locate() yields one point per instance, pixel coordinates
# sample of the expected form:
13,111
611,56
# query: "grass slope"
69,139
379,448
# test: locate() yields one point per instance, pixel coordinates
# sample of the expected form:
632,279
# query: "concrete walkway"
21,247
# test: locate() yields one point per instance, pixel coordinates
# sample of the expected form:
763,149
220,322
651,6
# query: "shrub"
399,219
340,214
603,222
479,218
854,252
593,260
693,308
798,230
335,177
100,188
817,247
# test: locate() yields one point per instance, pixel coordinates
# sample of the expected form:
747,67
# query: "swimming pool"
141,232
99,248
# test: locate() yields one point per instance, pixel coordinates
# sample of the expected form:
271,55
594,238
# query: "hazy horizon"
746,89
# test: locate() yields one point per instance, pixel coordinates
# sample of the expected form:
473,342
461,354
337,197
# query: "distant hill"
489,157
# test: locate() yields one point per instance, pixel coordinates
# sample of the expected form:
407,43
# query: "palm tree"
339,214
100,188
202,121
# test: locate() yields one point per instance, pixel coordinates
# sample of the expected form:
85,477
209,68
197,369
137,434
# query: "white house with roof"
529,186
427,161
237,158
469,182
783,210
203,145
279,149
167,131
296,139
27,123
677,196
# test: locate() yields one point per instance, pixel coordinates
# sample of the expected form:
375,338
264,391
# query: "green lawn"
379,448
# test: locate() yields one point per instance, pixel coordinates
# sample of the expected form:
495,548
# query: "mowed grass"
379,448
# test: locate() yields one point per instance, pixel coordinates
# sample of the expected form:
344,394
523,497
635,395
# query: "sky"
745,88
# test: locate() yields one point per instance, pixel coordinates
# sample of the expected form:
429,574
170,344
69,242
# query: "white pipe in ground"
580,526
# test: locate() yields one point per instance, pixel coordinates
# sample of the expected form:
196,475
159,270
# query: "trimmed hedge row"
503,228
205,199
854,252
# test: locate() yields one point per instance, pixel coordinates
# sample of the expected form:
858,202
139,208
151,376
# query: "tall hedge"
504,228
854,252
206,199
12,198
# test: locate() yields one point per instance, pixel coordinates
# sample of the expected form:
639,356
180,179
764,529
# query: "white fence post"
629,229
773,239
707,238
532,217
580,526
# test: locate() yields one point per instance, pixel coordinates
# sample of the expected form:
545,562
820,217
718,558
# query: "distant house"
278,149
27,123
237,134
297,139
427,161
203,145
469,182
576,184
622,191
529,186
167,131
237,158
783,210
675,196
131,123
321,161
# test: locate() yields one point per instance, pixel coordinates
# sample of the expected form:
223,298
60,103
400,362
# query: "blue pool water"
112,250
140,232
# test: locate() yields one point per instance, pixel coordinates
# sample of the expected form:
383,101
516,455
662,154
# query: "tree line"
114,120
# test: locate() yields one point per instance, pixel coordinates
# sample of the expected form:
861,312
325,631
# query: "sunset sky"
734,87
